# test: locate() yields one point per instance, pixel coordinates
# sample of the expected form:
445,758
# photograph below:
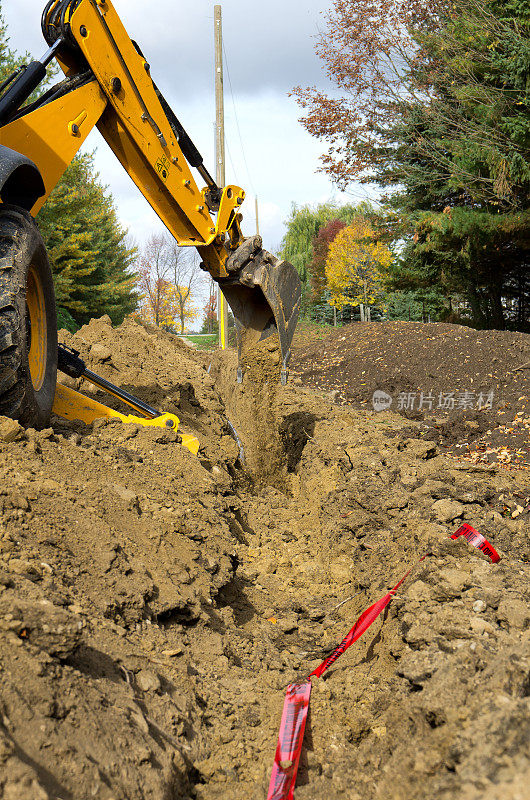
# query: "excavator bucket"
265,295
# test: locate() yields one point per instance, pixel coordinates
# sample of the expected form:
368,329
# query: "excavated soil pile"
470,388
154,605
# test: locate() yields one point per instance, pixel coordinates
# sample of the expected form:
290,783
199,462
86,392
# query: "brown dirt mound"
153,606
159,369
471,388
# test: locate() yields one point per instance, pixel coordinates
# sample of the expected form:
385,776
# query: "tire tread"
16,234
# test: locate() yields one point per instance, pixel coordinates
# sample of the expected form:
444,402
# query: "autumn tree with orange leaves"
317,266
422,85
209,320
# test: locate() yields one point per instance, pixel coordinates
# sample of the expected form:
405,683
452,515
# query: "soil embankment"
153,606
469,389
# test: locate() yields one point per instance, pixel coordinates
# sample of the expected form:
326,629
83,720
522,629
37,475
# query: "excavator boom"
107,84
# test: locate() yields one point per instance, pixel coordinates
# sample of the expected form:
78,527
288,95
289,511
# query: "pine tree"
476,255
435,109
86,245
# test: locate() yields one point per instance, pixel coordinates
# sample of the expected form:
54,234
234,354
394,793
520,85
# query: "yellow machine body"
72,405
44,135
133,123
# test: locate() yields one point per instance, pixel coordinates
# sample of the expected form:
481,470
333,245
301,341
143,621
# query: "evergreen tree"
86,245
472,166
480,256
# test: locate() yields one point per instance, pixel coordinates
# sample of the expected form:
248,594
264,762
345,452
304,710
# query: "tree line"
432,107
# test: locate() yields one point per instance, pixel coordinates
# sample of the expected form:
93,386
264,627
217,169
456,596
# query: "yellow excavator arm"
107,83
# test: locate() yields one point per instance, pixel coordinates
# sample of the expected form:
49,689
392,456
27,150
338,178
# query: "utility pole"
257,216
222,305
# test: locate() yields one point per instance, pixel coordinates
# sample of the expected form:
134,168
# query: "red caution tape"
366,619
290,740
296,704
369,616
477,540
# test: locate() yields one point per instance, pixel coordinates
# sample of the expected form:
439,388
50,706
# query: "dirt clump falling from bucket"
252,407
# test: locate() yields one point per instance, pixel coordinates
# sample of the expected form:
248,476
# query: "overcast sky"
269,49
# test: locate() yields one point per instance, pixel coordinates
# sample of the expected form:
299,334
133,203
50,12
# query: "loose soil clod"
153,606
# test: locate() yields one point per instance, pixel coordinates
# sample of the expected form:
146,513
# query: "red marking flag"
296,704
366,619
290,740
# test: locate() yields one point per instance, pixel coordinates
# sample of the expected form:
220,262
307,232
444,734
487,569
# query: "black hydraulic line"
72,365
45,24
20,90
186,144
190,152
51,20
54,25
54,93
193,157
129,399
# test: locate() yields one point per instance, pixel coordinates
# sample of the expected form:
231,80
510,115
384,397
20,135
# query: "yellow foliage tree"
356,266
182,301
165,306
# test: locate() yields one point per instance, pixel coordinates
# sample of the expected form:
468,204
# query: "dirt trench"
154,605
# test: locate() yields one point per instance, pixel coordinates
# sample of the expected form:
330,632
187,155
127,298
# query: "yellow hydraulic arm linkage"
108,84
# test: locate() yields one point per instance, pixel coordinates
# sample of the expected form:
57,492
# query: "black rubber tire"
22,250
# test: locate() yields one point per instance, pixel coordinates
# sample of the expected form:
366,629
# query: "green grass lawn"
306,333
209,342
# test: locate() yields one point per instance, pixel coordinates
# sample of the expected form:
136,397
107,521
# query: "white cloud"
268,44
